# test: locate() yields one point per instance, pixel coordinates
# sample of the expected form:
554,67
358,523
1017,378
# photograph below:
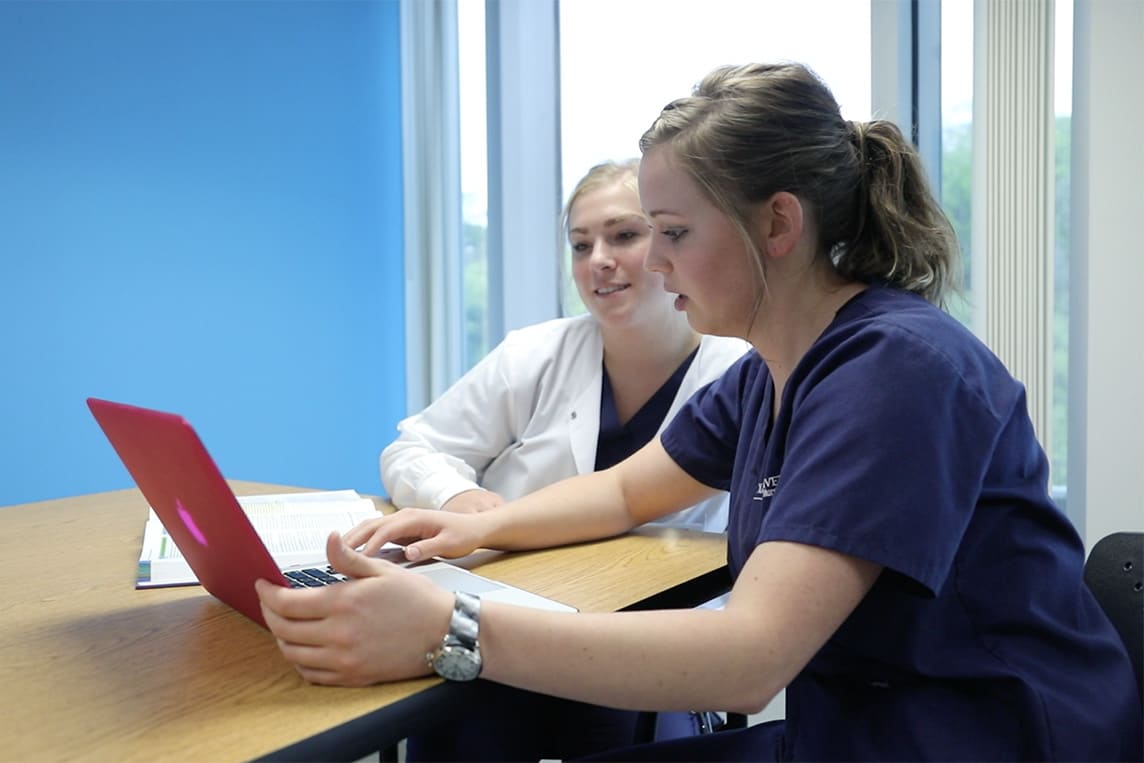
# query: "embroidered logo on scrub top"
767,487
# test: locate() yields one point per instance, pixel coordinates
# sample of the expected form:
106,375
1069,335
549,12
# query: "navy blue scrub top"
617,441
903,440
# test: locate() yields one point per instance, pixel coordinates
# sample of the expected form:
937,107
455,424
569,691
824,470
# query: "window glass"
621,61
474,177
957,135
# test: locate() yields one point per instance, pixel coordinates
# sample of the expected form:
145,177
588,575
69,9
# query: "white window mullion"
524,163
1106,408
905,75
432,199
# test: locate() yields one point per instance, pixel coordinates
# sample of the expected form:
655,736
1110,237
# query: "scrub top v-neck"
618,441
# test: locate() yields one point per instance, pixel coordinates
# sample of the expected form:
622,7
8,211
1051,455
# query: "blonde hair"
748,132
600,176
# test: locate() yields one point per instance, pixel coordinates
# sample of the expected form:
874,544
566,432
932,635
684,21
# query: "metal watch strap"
459,656
464,624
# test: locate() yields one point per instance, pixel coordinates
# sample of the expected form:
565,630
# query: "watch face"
456,663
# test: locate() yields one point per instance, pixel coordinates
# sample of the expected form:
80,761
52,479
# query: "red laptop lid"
180,480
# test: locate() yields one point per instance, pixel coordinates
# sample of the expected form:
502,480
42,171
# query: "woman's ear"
782,221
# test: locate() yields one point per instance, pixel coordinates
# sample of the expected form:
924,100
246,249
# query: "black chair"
1114,572
735,721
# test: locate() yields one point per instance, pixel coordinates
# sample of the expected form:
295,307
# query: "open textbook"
294,527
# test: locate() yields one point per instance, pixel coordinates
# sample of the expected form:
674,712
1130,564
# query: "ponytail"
901,234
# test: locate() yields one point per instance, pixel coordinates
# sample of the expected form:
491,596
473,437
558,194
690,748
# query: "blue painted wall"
200,211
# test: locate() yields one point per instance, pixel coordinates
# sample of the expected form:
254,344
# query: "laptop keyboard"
313,577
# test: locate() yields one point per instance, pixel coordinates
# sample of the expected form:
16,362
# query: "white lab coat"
528,415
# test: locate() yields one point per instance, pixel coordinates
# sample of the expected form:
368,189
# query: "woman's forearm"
644,487
670,660
733,659
585,507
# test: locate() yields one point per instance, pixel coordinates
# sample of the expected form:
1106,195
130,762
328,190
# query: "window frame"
524,114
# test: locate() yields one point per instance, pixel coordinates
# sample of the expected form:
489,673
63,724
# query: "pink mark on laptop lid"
180,480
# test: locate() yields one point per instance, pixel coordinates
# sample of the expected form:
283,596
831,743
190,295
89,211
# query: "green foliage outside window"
476,288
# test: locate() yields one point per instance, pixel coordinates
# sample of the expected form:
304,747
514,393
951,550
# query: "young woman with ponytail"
899,565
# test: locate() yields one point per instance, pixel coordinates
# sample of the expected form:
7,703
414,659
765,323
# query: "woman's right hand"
424,533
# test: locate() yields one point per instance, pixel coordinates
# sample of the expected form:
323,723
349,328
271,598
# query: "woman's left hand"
376,627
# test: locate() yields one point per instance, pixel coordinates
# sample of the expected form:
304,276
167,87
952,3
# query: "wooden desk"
96,670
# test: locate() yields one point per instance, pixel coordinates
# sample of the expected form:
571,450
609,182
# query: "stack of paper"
294,527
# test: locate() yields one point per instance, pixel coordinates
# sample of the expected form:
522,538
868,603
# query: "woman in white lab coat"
571,395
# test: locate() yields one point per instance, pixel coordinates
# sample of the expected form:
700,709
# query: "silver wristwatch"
459,656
